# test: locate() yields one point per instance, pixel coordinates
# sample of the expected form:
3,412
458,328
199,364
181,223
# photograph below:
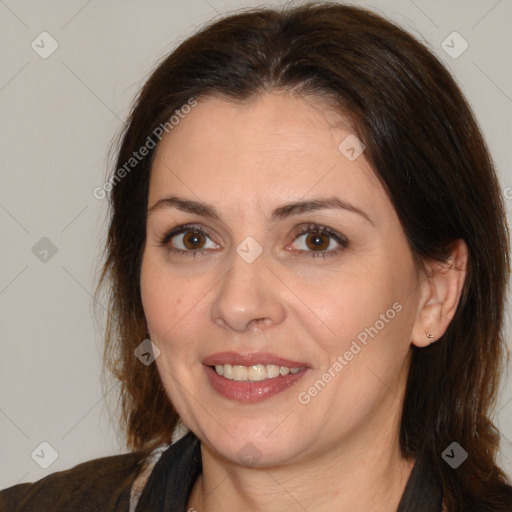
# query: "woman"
307,225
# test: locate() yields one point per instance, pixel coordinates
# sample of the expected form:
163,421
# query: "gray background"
59,117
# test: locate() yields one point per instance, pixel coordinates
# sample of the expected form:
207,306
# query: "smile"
252,377
254,373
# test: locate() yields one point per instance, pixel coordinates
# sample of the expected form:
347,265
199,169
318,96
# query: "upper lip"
250,359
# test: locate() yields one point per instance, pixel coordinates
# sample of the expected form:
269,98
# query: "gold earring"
428,334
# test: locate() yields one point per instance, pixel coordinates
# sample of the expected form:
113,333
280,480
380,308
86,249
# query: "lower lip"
250,392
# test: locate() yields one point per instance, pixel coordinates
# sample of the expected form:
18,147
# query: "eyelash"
317,228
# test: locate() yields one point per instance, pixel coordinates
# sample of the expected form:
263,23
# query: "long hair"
426,149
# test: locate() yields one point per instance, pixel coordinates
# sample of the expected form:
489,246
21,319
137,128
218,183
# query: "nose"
248,297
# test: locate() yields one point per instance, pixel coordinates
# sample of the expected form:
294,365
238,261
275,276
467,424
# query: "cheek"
367,306
349,303
172,307
160,299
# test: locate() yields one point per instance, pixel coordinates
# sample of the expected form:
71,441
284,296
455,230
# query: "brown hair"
429,154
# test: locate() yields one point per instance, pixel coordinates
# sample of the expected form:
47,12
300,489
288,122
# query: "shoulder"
101,484
500,500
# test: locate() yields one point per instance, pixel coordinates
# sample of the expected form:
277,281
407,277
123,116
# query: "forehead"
273,146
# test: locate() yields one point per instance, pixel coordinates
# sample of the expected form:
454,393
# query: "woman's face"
332,287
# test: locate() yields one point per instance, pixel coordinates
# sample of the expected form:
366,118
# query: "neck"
355,477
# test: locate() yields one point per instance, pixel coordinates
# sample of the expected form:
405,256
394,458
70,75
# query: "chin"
253,444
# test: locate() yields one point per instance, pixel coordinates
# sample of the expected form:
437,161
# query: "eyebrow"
281,212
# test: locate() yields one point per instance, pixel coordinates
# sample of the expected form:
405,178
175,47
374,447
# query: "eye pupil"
316,239
192,237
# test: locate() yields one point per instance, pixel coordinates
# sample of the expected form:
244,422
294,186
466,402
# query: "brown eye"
189,240
317,241
193,240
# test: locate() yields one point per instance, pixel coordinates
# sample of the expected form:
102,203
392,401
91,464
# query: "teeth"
272,370
254,373
239,372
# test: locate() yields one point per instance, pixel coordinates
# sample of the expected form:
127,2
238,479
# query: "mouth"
254,373
252,377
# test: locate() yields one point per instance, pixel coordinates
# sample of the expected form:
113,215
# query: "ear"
441,286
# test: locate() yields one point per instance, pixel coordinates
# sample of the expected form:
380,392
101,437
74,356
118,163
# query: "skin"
340,450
